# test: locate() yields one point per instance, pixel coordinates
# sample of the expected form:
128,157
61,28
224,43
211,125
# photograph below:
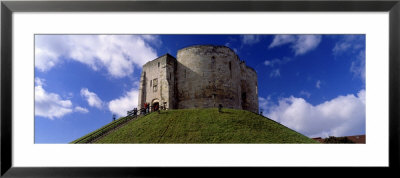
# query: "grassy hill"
204,126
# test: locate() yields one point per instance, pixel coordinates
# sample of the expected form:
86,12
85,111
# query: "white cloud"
276,61
269,63
136,84
127,102
355,46
349,43
39,81
116,53
306,43
81,110
92,98
318,84
300,44
281,40
264,103
275,73
358,66
340,47
341,116
153,39
45,58
50,105
250,39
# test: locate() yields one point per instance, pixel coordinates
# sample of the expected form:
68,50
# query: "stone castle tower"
202,76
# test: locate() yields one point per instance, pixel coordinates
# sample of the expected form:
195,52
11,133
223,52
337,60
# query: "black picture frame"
8,7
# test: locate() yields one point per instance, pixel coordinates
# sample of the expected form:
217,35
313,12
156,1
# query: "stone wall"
208,76
157,82
249,88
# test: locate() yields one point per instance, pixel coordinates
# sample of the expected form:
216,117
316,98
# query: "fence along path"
94,136
114,128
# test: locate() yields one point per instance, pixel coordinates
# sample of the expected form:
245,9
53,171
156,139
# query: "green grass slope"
204,126
105,128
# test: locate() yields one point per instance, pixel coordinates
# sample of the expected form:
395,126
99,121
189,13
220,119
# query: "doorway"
155,105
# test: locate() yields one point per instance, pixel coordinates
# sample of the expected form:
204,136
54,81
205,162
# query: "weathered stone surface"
157,82
203,76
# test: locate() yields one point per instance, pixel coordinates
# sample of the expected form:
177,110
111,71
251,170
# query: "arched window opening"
230,69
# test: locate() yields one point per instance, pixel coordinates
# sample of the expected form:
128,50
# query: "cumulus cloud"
52,105
301,44
115,53
126,102
91,98
46,58
39,81
250,39
341,116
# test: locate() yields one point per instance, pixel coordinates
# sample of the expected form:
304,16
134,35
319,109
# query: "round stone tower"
208,76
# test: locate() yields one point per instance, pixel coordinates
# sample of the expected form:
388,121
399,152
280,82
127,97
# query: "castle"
202,76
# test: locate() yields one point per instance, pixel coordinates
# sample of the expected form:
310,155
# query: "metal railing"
105,130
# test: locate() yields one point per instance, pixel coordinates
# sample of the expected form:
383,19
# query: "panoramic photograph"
200,89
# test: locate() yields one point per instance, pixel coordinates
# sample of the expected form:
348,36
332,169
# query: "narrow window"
185,73
150,83
244,96
170,76
158,64
155,82
144,79
230,69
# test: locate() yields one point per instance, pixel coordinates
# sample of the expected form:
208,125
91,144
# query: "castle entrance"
155,105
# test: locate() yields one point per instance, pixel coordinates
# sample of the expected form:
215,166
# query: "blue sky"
314,84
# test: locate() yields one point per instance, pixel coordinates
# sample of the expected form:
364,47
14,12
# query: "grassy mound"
204,126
